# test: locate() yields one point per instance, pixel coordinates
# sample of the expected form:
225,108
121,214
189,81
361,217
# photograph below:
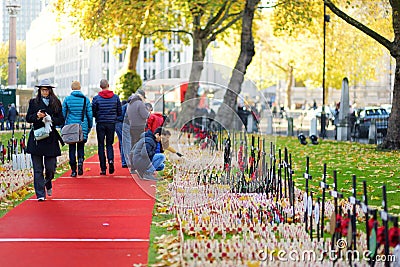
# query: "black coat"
143,151
50,146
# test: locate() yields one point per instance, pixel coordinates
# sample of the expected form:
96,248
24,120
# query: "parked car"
363,121
388,108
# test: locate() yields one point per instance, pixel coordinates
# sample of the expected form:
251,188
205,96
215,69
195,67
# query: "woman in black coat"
44,152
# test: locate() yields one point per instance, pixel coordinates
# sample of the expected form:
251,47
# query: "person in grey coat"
72,109
137,113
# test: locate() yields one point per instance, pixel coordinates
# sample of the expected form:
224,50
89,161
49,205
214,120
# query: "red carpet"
91,220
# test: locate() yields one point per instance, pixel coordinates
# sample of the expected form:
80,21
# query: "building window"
145,75
177,57
170,56
145,56
169,74
177,40
106,57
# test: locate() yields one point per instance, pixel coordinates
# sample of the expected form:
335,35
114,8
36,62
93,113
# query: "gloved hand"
179,154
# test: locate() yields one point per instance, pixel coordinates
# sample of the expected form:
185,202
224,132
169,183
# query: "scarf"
46,100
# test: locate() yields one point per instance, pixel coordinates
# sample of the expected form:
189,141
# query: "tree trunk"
200,44
227,110
392,139
289,86
131,57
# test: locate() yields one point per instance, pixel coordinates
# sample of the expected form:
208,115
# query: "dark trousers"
105,131
78,148
12,123
41,181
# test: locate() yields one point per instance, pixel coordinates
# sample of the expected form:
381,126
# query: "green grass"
376,167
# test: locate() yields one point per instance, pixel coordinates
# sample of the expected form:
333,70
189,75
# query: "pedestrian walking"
74,106
2,116
118,130
44,111
12,116
137,115
106,107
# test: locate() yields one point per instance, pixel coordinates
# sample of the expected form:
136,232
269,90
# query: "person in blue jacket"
148,155
106,108
72,109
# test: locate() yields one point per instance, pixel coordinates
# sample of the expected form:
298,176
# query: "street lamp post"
18,73
323,114
80,53
13,7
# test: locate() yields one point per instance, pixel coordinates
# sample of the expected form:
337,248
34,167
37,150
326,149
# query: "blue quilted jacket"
72,109
106,107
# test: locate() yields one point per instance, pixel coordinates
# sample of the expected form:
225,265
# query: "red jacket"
154,121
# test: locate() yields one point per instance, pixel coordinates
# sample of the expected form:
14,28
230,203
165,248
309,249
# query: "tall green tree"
378,20
392,139
205,22
21,59
100,19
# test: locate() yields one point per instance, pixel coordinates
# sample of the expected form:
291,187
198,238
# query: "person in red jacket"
155,119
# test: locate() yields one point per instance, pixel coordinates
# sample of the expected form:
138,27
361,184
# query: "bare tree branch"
376,36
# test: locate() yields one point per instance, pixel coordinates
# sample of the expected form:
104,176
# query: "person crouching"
146,161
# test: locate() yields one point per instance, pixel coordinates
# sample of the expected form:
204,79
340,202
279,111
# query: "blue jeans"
78,148
41,181
118,130
157,164
105,131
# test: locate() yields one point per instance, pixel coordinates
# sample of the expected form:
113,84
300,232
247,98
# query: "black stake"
335,194
364,207
324,186
384,216
307,176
